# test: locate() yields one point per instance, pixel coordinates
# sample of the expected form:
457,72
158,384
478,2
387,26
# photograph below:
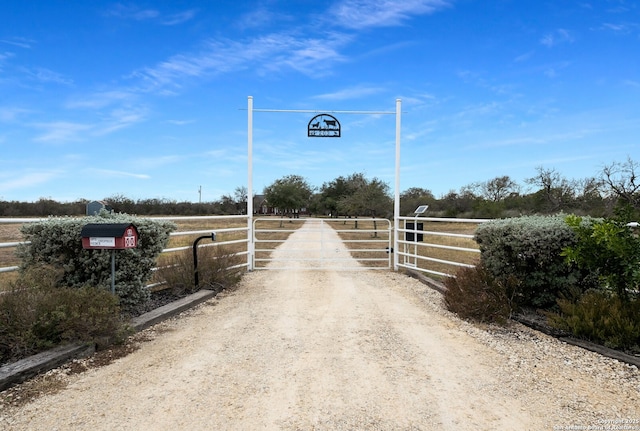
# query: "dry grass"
9,232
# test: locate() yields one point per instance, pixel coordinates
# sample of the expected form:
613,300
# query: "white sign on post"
102,242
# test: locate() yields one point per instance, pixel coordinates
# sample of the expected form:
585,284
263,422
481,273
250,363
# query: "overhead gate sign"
323,126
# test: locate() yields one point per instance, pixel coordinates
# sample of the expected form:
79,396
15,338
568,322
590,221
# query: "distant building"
261,206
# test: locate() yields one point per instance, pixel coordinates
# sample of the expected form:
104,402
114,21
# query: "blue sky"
148,99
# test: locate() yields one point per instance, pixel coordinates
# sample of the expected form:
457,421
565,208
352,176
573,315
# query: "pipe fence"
435,246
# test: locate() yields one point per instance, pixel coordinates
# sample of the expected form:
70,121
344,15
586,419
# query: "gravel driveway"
319,349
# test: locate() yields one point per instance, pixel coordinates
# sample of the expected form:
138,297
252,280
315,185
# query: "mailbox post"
104,236
195,257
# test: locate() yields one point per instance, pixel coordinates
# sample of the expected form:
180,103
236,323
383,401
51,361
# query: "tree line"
547,192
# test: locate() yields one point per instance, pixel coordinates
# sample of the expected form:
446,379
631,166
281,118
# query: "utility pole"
199,194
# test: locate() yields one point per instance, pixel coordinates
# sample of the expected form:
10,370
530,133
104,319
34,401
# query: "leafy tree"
497,189
122,204
412,198
455,203
371,198
334,192
330,195
289,194
610,249
228,205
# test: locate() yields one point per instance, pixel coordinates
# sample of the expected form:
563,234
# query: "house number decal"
129,241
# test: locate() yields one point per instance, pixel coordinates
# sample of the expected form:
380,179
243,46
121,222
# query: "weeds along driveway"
320,349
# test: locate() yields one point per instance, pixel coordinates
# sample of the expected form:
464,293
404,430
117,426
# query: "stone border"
26,368
587,345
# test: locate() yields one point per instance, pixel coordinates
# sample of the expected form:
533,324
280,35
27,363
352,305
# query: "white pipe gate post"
250,245
396,199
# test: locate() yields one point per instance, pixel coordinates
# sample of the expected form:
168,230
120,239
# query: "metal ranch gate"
313,243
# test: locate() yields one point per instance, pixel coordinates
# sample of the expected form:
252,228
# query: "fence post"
250,245
396,203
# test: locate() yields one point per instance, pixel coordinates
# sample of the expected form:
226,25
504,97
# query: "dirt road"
335,350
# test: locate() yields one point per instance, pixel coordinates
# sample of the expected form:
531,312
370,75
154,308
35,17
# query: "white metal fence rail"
411,251
208,231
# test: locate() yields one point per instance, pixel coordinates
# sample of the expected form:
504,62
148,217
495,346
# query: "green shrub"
602,318
215,269
529,250
475,294
57,241
610,250
37,314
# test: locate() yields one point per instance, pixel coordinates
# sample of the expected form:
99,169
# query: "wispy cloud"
557,37
61,131
11,114
100,99
58,132
158,161
257,18
480,79
272,53
551,71
119,174
313,57
179,18
5,55
42,74
523,57
181,122
132,12
25,180
20,42
135,13
350,93
120,118
621,28
358,14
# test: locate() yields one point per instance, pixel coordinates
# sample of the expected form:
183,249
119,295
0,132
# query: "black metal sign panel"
323,126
